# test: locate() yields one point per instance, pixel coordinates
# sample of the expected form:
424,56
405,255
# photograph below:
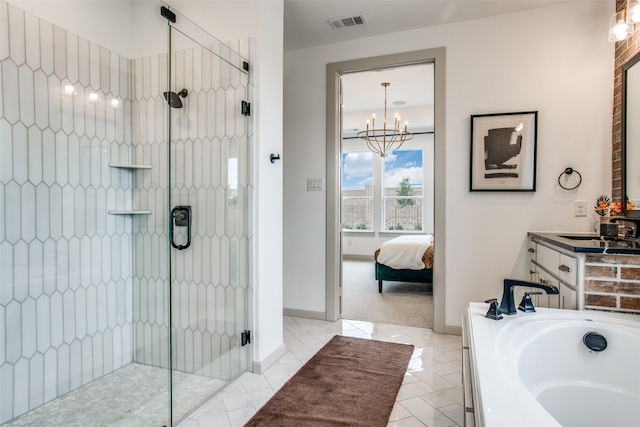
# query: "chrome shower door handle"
180,217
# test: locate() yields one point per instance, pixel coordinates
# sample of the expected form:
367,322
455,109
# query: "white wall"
268,279
131,27
555,60
107,23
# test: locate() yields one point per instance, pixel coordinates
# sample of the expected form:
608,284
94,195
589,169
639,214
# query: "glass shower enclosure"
123,219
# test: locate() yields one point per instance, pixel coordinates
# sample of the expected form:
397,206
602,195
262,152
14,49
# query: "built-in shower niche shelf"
128,166
129,212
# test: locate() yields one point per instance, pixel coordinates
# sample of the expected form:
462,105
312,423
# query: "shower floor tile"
135,395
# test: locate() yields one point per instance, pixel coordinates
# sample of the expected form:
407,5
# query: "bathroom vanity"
550,264
589,272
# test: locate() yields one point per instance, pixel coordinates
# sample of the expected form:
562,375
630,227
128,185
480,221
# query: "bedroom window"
402,191
357,191
385,194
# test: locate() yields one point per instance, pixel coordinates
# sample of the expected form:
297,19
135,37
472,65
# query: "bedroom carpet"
349,382
400,303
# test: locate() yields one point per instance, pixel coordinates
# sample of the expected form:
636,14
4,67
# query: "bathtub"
533,369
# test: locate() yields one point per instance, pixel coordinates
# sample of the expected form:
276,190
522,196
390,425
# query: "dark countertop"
587,243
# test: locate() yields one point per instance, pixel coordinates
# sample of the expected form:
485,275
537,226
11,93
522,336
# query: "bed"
405,259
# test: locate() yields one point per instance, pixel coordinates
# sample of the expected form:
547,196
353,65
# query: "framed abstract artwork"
503,151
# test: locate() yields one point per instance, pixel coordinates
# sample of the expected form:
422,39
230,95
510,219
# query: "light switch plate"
315,184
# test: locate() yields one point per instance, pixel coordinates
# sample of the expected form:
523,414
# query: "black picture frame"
503,151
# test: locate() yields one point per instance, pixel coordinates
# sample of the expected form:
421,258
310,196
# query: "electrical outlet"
580,208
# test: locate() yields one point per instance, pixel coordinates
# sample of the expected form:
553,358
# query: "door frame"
333,254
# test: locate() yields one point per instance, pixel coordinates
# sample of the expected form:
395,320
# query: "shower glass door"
208,176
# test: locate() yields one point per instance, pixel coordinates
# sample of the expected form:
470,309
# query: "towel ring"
570,171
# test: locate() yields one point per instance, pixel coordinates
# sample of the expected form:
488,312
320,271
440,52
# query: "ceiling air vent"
347,21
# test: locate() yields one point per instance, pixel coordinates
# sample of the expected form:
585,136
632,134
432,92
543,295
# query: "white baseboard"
358,257
259,367
452,330
320,315
305,314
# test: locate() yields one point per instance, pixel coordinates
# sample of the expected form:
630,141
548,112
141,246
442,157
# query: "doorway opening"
386,196
335,118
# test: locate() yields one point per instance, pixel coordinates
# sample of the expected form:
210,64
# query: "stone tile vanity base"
612,282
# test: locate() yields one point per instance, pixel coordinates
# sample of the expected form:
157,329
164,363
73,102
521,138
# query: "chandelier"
385,139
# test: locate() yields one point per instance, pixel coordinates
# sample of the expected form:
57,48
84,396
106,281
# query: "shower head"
174,98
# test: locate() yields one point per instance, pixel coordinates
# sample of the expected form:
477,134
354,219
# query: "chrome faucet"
507,305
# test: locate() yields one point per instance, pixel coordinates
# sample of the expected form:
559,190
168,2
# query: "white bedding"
405,252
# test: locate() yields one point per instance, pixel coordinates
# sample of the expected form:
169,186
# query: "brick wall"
612,283
625,50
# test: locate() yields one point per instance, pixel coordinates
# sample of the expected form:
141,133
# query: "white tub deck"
532,369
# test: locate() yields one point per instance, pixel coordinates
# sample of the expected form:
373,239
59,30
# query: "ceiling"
305,21
306,25
409,94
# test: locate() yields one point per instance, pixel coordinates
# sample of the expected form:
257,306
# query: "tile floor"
431,393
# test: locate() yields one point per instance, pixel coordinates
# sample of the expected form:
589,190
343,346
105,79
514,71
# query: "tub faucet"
508,306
